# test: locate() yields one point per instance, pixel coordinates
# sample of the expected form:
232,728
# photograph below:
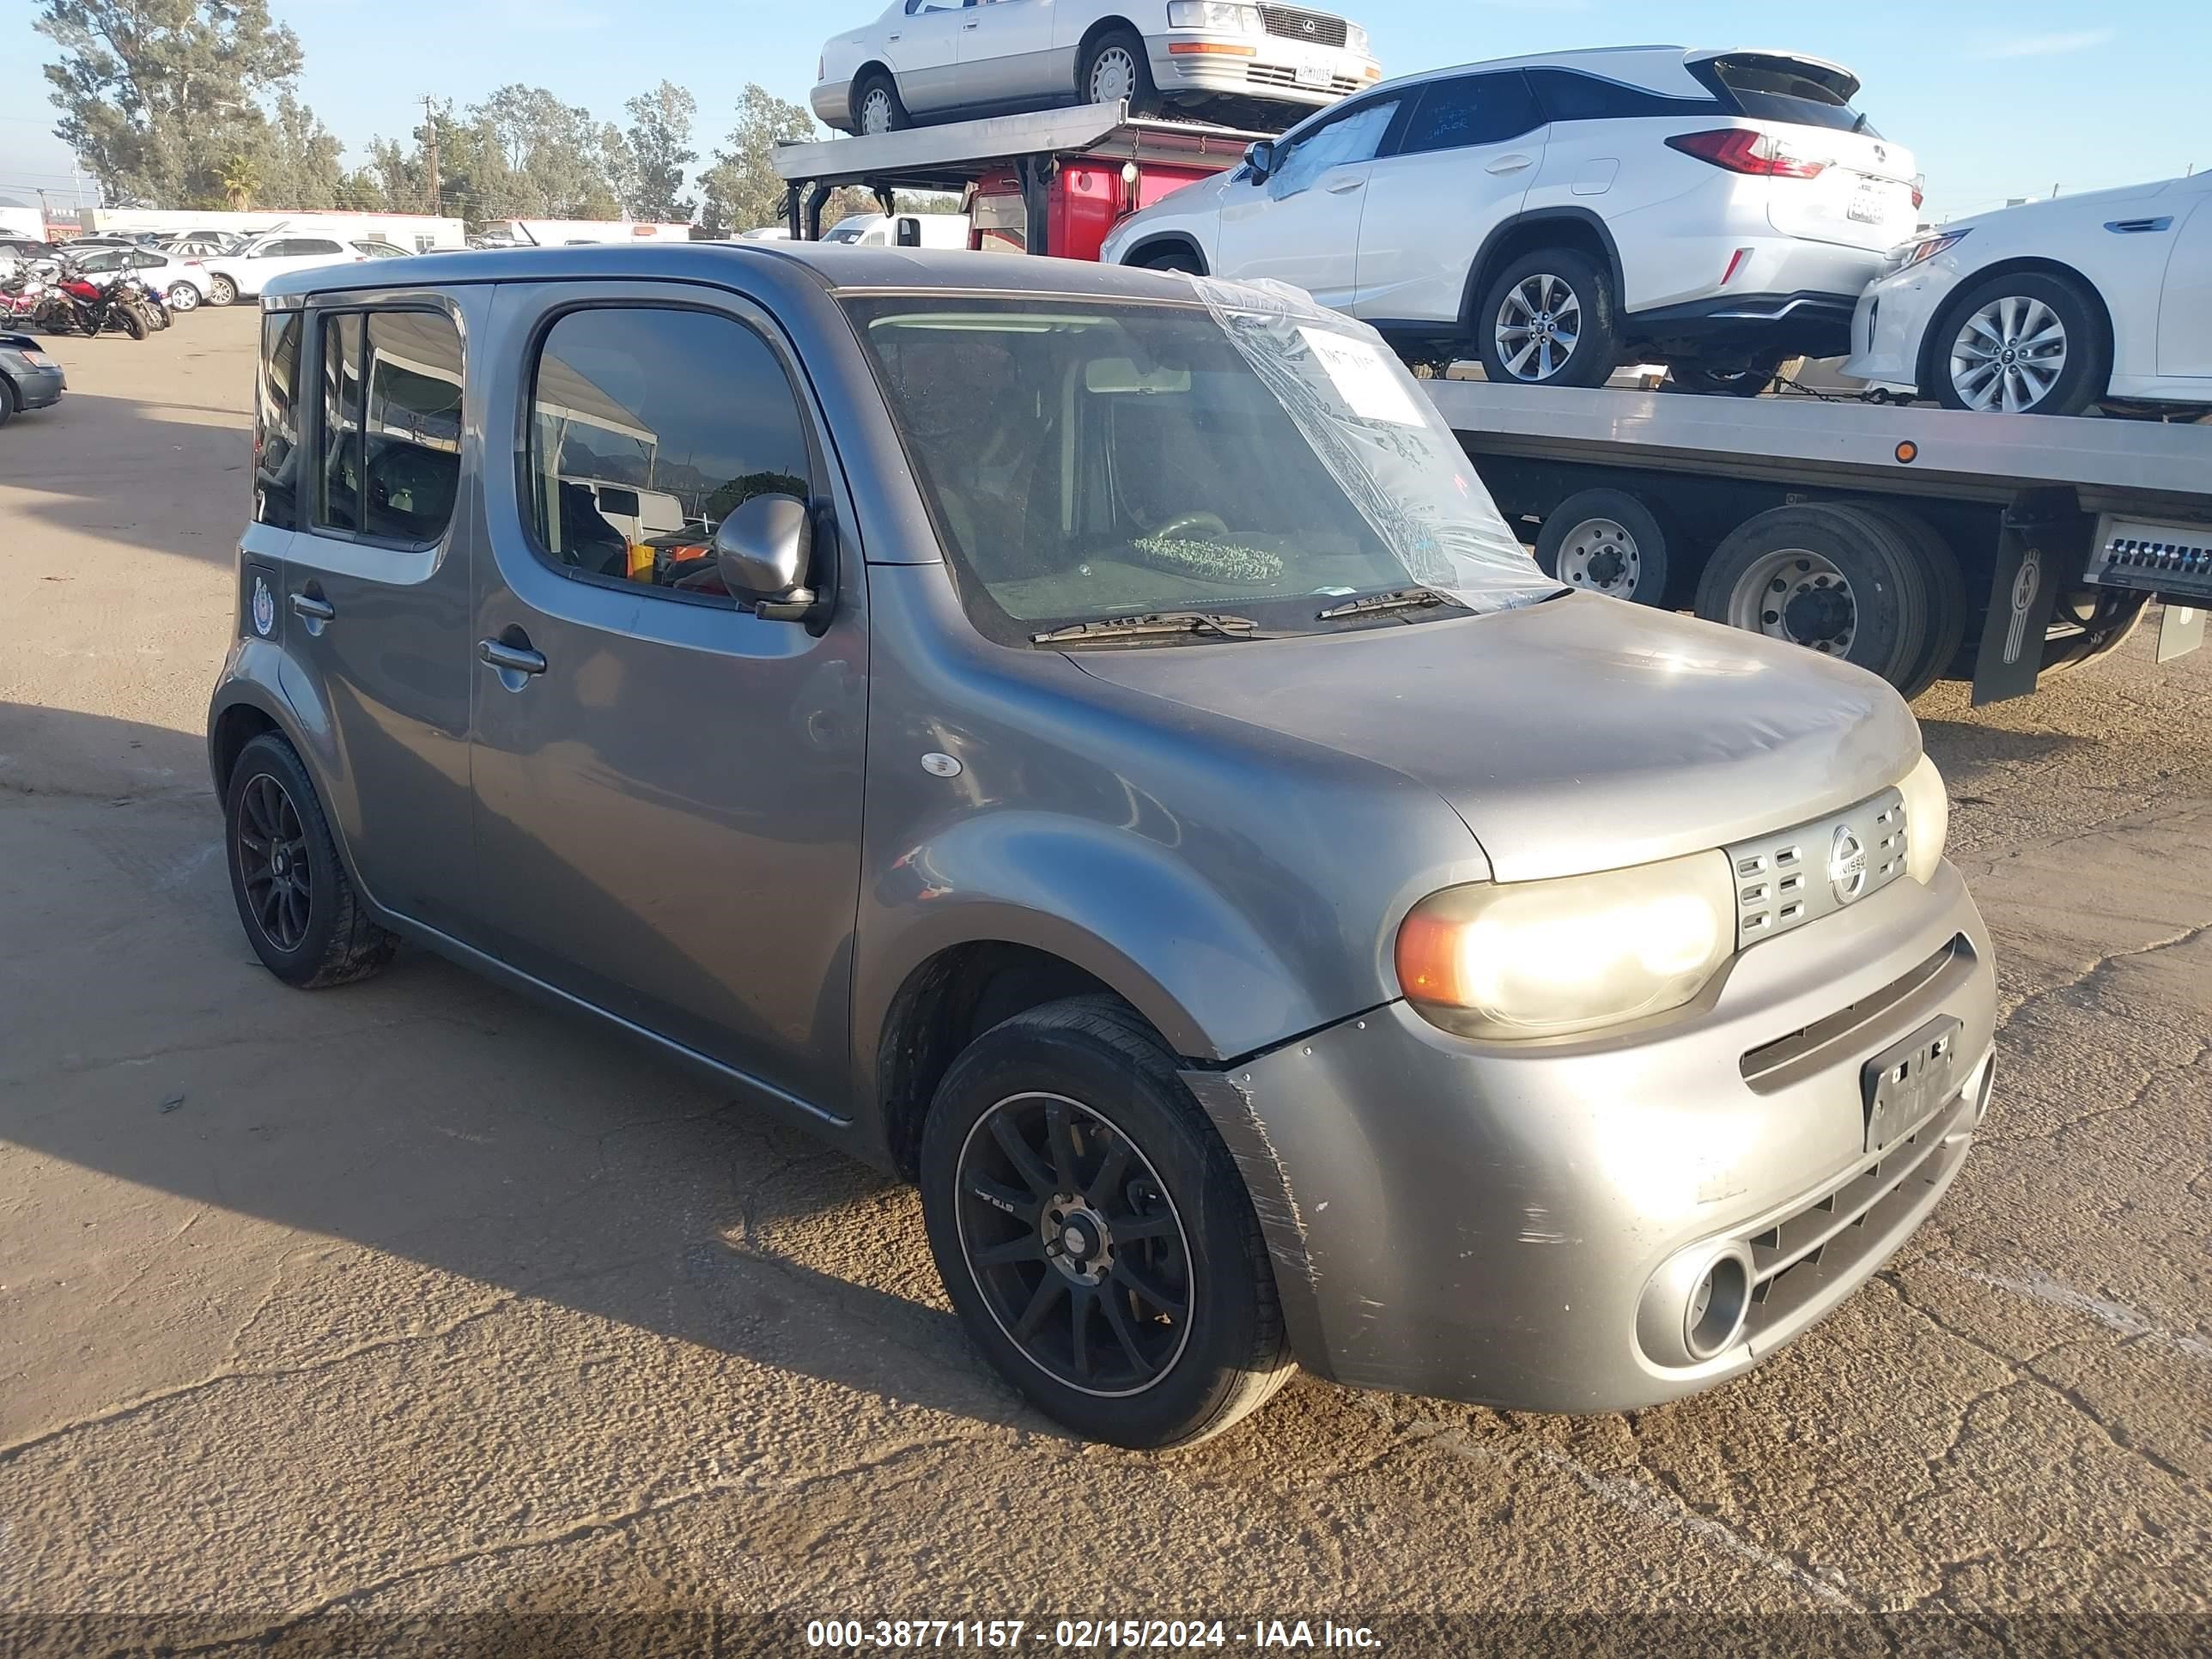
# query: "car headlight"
1915,253
1222,17
1355,39
1538,958
1927,819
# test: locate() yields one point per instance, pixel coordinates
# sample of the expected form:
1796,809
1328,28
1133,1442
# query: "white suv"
1557,215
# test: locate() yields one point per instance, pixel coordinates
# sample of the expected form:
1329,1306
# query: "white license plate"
1314,74
1868,208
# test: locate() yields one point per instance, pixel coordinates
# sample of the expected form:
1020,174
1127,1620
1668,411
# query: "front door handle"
511,658
1508,163
1339,186
309,608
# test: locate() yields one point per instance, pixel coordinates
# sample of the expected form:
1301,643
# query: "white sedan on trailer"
932,59
2051,307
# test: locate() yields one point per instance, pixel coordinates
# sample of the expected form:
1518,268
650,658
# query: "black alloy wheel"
275,867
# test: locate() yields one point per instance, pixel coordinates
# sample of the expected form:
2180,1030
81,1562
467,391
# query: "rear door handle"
1339,186
511,658
1508,163
315,610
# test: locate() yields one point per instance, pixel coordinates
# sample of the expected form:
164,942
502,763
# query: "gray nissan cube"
1083,739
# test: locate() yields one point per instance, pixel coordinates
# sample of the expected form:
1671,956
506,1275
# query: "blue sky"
1998,100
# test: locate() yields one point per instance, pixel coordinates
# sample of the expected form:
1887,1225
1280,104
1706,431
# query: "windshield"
1245,454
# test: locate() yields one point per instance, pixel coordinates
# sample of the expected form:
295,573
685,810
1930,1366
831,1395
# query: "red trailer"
1053,182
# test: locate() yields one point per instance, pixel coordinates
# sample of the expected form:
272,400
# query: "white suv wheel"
1538,327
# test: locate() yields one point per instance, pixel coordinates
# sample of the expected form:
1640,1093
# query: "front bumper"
37,387
1890,325
1488,1222
1262,66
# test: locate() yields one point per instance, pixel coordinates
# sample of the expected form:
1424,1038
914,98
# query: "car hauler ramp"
1921,526
1060,167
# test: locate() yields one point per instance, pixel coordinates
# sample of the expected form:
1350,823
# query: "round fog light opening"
1718,1302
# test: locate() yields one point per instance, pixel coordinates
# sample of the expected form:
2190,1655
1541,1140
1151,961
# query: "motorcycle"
78,304
22,296
149,298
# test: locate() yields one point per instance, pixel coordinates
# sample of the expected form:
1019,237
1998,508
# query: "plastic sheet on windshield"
1382,441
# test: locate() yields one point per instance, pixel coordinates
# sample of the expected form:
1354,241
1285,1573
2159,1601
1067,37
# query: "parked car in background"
239,276
182,282
28,378
1080,623
930,59
202,244
2051,307
900,230
1557,216
29,250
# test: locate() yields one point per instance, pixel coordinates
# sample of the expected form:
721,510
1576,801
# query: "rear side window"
276,421
391,442
1469,109
1569,95
1783,89
649,425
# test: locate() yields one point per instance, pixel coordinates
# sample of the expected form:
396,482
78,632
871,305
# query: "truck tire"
1834,577
1555,306
1997,345
2108,618
1606,541
1093,1233
1946,597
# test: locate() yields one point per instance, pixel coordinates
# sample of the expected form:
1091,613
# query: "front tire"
1173,258
1117,68
6,400
134,321
221,291
877,106
1746,379
1093,1233
294,900
1551,317
2032,343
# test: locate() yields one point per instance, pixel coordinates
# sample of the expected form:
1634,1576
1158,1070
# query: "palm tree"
240,177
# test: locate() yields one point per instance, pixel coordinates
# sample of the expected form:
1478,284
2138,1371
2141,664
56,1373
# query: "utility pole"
430,121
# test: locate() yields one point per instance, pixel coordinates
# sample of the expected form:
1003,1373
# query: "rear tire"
1748,380
1177,1332
1828,575
877,106
1528,311
2044,320
1117,67
1173,258
183,296
311,930
1946,597
1606,541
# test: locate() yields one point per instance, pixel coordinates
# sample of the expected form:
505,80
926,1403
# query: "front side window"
1251,455
391,446
1470,110
1352,137
649,425
276,421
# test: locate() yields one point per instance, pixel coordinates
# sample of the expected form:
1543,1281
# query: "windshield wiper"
1151,624
1399,599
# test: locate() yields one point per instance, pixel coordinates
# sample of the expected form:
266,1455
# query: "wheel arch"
1160,242
861,72
2025,264
1577,227
1105,25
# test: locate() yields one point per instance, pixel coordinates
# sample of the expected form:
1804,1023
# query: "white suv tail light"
1740,150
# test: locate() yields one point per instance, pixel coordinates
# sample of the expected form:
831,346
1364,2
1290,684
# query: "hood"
2087,204
1582,733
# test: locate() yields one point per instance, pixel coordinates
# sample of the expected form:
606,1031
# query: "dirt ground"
413,1298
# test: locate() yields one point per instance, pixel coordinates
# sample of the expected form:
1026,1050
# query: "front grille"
1796,1256
1282,74
1317,28
1810,870
1897,1008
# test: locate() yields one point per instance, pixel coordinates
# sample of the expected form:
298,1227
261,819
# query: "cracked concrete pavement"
413,1298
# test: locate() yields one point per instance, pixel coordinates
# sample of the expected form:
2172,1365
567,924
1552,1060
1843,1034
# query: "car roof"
1662,68
836,267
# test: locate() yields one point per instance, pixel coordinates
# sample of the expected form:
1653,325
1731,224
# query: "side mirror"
763,550
1260,158
909,231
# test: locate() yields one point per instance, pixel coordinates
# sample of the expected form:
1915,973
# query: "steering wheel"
1179,528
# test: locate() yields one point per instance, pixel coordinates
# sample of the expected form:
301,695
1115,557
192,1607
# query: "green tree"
659,140
159,96
558,161
240,178
741,190
301,162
